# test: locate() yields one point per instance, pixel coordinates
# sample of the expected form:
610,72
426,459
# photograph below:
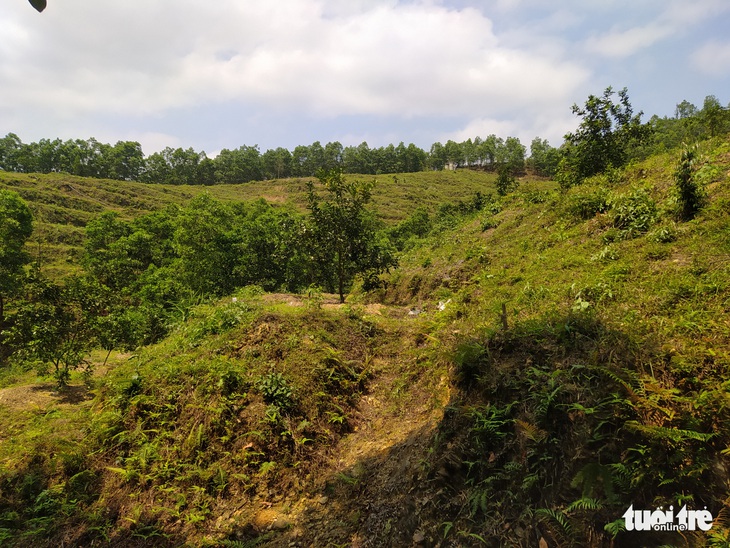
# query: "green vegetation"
540,358
606,385
342,235
603,140
16,226
690,195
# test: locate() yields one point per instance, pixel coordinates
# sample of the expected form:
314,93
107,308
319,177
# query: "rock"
281,524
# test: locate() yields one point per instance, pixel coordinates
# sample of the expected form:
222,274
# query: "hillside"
522,378
63,204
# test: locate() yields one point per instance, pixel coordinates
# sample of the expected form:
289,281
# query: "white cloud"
713,58
380,58
216,75
676,18
618,43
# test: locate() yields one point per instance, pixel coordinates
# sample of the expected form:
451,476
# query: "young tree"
437,157
55,324
512,155
603,139
10,152
16,226
204,242
506,181
714,116
689,193
276,164
343,240
543,157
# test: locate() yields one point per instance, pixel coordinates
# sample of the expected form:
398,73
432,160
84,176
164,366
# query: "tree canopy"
603,138
16,226
341,234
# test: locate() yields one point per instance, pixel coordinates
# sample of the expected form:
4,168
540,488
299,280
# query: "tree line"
126,161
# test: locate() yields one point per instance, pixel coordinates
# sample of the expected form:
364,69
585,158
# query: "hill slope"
521,380
62,204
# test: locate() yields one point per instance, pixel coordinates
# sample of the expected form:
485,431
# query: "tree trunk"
340,276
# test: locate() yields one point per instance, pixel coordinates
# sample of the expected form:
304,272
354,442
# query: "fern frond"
584,504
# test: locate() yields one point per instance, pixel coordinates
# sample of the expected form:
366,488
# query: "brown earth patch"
42,395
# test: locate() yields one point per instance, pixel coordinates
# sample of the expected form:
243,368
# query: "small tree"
603,139
16,226
55,324
543,158
343,240
689,193
506,181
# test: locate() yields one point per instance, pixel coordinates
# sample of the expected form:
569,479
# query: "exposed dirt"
367,489
41,396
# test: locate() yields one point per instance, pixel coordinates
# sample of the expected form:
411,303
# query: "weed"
275,390
585,203
633,213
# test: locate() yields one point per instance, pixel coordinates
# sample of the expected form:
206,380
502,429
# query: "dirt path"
365,488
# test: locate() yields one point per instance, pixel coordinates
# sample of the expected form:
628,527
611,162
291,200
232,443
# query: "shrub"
663,235
275,390
587,204
633,213
689,194
506,181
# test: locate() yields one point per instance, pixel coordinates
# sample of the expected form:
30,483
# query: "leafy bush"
506,181
633,213
418,225
275,390
587,203
663,235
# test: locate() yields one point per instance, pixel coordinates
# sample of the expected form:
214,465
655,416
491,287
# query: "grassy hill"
62,204
522,378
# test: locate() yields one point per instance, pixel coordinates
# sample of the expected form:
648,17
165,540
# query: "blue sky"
213,75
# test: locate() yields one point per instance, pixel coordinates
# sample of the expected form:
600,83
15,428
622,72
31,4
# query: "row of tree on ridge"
126,161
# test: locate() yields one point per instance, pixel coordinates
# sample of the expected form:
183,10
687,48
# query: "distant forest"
126,161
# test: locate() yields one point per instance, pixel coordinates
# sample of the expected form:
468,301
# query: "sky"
282,73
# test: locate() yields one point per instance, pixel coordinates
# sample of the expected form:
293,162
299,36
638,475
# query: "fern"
557,516
587,478
615,527
478,500
673,435
584,504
